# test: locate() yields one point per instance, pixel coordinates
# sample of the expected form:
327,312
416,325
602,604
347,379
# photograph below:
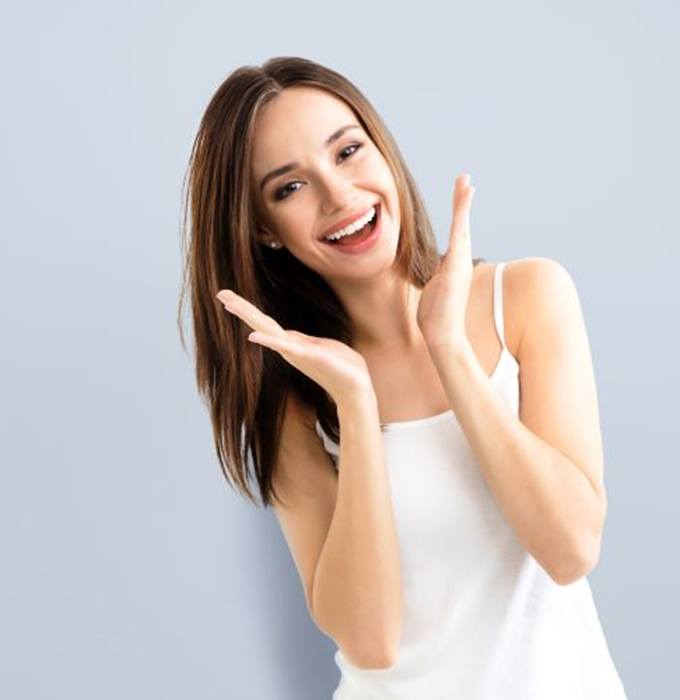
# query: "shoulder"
536,270
540,292
297,416
300,448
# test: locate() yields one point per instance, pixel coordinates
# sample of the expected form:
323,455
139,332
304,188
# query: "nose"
336,193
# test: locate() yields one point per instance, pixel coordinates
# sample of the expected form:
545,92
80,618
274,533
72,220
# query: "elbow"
583,554
566,576
364,654
388,657
379,660
362,658
575,567
371,657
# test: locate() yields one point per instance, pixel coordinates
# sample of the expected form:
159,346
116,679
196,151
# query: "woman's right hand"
335,366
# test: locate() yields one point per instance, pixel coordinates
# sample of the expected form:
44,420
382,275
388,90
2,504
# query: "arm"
545,469
350,567
356,593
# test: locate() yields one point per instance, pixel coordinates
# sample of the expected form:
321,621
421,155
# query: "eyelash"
279,193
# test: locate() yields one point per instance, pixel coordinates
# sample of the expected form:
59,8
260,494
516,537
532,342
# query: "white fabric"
482,619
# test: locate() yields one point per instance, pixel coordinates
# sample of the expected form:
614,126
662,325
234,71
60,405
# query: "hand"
338,368
443,300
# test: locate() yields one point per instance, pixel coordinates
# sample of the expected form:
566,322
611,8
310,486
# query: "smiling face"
327,184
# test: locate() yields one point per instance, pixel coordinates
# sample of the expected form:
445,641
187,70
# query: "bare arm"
350,567
357,595
544,469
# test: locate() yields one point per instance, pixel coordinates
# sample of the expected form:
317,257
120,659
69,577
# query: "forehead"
295,122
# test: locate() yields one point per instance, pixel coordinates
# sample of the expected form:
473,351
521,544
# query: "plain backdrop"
128,568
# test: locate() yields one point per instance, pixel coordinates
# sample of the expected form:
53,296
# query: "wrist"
451,350
361,400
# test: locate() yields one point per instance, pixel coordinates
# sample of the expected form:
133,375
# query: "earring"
274,244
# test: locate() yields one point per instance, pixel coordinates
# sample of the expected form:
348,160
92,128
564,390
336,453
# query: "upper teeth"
353,228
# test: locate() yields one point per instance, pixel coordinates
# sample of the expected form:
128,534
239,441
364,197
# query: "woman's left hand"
443,300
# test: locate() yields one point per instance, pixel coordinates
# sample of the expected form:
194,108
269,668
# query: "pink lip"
346,221
367,243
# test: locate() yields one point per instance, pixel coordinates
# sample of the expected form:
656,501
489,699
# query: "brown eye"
356,147
283,192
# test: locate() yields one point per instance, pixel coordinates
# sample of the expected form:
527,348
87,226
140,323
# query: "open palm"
332,364
443,300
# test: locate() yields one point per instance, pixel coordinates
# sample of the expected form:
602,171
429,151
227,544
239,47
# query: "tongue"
357,236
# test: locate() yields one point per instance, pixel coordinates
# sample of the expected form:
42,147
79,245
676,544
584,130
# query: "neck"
383,312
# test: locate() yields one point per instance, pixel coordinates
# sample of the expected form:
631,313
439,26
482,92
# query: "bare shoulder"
481,302
534,287
534,270
300,447
558,387
297,415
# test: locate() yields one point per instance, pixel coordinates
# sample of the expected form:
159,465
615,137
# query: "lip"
362,246
348,220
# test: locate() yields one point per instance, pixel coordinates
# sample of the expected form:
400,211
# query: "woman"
442,528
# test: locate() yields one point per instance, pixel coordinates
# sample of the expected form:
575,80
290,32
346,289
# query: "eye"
283,192
356,146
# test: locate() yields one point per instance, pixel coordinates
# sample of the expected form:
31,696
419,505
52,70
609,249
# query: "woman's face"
327,183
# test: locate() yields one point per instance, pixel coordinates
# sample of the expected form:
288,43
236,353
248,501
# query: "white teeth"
352,228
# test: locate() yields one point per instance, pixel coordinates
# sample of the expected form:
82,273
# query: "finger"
462,200
281,344
304,336
460,225
249,313
465,207
462,183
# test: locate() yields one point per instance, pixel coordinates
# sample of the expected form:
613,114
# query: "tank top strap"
498,302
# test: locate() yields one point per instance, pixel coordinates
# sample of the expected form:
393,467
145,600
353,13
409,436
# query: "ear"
268,239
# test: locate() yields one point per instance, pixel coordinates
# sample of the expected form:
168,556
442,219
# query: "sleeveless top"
482,619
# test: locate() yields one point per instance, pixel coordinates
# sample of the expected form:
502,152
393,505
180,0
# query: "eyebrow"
291,166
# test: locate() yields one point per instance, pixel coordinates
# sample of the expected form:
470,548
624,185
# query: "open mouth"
359,236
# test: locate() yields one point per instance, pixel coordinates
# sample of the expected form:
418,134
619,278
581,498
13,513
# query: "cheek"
383,174
295,223
266,216
389,187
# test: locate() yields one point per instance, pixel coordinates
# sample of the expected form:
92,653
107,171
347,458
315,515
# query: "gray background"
128,568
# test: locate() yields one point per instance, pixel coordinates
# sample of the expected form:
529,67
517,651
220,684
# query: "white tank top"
482,619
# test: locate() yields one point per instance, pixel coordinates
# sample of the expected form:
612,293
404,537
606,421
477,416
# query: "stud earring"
274,244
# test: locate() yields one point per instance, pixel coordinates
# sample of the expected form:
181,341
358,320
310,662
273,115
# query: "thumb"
304,336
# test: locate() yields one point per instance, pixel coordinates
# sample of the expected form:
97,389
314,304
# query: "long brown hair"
246,385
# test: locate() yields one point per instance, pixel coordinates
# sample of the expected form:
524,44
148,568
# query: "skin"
545,466
332,184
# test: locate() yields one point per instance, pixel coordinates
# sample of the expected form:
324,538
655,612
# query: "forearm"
357,585
552,506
